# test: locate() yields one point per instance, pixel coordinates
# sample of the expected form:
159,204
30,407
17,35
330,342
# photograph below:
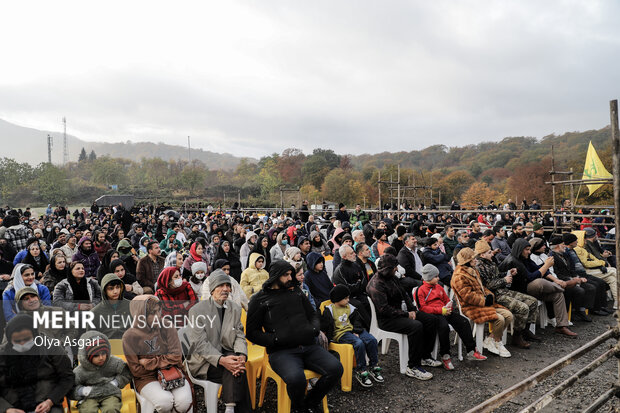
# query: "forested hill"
509,153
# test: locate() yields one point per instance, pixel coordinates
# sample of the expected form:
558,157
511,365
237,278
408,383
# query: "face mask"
48,229
284,242
177,283
22,348
199,276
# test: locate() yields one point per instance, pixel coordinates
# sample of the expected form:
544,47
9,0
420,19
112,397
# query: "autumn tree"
453,185
528,182
478,192
290,164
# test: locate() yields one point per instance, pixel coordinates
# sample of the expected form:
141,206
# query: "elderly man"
409,259
281,318
218,350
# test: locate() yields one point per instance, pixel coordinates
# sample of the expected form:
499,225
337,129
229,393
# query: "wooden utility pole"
615,137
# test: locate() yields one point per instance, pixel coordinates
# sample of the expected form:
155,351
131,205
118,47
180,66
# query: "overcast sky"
255,77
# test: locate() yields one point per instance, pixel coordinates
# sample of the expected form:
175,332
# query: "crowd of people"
302,279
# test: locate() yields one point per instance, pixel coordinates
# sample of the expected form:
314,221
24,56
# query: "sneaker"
363,377
431,363
375,373
475,355
490,345
503,352
418,373
447,362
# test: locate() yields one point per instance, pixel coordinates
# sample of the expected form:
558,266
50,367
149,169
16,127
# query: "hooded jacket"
278,250
387,295
350,274
515,260
246,249
166,246
158,344
110,318
338,233
439,260
280,318
318,283
89,259
99,377
320,247
252,279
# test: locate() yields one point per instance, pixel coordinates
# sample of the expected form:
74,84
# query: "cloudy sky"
255,77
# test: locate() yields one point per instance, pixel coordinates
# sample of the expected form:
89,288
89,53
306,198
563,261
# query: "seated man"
281,318
388,297
532,280
218,350
594,266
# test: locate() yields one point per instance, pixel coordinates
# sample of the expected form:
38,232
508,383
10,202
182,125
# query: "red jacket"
431,298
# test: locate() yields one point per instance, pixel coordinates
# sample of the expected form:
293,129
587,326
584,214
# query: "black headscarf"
58,275
80,290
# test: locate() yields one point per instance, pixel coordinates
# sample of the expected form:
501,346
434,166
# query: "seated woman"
35,257
132,286
227,252
150,346
76,292
174,259
195,255
478,303
176,295
23,276
57,271
104,268
253,277
37,383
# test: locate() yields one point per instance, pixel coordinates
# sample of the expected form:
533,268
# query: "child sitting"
100,377
341,324
199,271
432,299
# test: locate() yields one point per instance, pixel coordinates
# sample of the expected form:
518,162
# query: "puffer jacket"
439,260
63,294
91,260
471,294
108,315
588,259
99,377
252,279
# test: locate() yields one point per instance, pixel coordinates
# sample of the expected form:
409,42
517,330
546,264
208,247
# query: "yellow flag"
594,169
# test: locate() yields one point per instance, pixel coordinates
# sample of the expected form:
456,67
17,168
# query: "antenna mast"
65,150
189,153
49,148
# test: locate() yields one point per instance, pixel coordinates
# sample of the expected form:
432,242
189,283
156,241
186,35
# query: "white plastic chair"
457,338
385,337
477,328
210,388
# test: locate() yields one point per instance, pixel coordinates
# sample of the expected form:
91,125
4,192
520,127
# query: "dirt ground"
473,382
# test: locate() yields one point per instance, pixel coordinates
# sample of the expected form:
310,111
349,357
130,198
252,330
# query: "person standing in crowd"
149,267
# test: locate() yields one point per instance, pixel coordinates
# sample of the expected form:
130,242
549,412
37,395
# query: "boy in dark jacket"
340,323
316,278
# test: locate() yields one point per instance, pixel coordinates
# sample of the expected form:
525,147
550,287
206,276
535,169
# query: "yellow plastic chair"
254,363
284,403
347,357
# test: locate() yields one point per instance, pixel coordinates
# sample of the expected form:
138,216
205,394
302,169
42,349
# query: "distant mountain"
30,145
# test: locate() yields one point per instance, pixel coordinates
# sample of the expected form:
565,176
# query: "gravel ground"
473,382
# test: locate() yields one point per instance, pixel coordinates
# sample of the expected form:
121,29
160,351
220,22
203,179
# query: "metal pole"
380,203
557,390
494,402
603,398
572,198
615,137
398,205
555,224
189,153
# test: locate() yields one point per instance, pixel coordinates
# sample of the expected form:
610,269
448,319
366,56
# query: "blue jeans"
363,345
290,364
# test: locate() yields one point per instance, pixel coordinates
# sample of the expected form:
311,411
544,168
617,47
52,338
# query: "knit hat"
199,266
38,231
556,240
217,278
95,346
19,323
429,271
347,236
481,247
339,293
464,256
65,231
379,233
536,226
569,238
590,232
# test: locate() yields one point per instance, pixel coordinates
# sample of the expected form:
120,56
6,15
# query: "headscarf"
163,281
18,280
80,290
55,272
171,259
193,252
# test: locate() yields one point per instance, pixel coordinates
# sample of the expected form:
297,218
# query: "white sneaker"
553,322
431,363
418,373
490,345
503,352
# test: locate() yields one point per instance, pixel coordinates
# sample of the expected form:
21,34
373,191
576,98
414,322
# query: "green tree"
51,184
269,178
193,177
109,171
82,156
92,156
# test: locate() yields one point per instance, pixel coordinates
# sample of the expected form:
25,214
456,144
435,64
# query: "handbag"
171,378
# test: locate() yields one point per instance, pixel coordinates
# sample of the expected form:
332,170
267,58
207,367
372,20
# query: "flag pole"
577,197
